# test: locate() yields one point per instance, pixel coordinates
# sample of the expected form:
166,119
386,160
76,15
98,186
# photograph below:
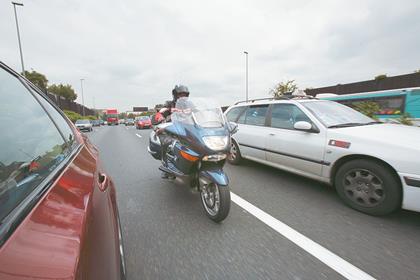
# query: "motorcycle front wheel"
216,201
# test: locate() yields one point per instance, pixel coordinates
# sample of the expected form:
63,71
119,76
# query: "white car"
375,167
84,125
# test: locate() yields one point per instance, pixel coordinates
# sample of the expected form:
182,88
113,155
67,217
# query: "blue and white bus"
392,103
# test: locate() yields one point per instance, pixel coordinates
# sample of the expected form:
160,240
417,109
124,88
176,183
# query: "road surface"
168,236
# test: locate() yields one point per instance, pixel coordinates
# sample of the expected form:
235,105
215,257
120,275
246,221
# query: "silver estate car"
374,166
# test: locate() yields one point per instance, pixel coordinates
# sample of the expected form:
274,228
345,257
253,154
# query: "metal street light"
83,98
18,34
246,54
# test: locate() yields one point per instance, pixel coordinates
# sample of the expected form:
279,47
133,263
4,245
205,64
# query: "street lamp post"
83,98
18,34
246,55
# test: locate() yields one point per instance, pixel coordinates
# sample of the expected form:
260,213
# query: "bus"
392,103
112,116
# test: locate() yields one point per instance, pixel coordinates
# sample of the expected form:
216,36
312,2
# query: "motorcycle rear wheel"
216,201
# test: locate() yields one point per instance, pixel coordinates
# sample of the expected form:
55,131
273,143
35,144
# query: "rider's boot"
166,175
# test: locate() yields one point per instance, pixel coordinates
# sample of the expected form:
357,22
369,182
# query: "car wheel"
369,187
234,155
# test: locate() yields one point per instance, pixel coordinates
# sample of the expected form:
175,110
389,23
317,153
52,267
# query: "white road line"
138,135
340,265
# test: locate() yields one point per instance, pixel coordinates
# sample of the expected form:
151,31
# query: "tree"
368,108
381,77
65,91
37,79
405,119
282,88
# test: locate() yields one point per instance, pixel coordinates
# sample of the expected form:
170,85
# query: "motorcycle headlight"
216,143
214,157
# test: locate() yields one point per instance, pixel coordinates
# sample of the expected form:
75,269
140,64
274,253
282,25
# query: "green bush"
146,113
405,119
90,117
73,116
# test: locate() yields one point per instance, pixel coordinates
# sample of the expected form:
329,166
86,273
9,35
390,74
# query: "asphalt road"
167,235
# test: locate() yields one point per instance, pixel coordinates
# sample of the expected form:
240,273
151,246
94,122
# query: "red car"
143,122
58,209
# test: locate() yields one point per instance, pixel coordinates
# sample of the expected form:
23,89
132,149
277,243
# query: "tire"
234,157
224,204
369,187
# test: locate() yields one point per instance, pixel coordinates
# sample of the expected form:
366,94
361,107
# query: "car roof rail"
257,99
286,96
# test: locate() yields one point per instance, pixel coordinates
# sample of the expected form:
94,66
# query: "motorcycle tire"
222,212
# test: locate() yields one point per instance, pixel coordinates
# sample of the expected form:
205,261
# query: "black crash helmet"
179,89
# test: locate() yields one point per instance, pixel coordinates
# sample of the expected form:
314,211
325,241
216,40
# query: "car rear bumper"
411,191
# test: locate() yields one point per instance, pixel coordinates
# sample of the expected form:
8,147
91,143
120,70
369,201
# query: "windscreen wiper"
374,122
345,125
353,124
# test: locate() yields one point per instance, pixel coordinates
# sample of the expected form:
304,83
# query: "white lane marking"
138,135
335,262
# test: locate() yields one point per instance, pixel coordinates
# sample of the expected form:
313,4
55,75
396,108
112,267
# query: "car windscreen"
335,114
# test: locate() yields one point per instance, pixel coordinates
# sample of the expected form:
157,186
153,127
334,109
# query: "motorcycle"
194,147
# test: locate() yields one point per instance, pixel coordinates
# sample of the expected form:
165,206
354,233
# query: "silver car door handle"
272,134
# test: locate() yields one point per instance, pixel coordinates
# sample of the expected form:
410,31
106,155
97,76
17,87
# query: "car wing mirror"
232,127
303,126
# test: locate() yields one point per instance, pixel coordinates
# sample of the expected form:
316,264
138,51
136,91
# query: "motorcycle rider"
164,115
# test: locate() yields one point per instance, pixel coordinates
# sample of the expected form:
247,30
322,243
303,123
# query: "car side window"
59,120
31,145
254,115
234,113
286,115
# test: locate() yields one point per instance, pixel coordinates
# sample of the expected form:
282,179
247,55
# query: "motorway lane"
167,235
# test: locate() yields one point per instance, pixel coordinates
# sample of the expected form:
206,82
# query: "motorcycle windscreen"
203,112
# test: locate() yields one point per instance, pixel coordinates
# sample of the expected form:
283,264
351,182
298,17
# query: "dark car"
58,209
129,122
96,123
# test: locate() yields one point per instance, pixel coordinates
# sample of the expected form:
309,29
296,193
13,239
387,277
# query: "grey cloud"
133,52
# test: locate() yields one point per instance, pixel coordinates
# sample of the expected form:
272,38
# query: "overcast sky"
133,52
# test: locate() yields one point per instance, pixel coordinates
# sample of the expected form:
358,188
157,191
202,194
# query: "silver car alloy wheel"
364,187
233,151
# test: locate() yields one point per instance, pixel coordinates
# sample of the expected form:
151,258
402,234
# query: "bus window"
389,105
